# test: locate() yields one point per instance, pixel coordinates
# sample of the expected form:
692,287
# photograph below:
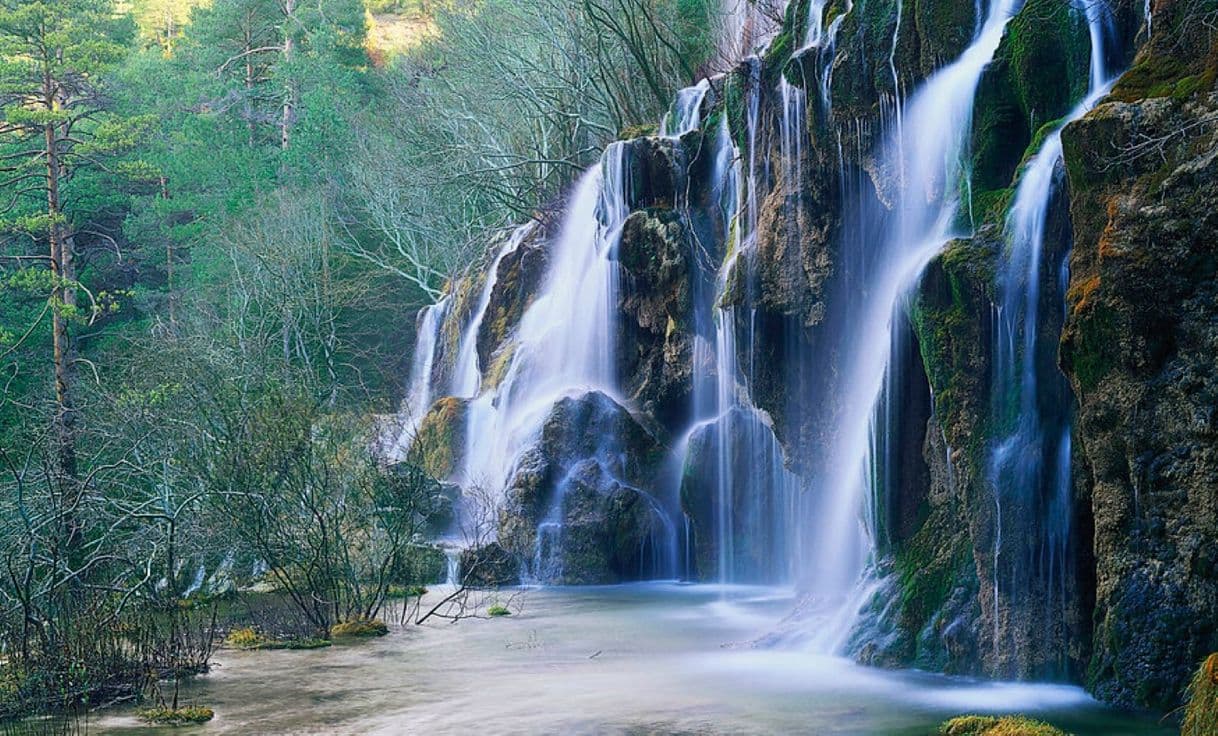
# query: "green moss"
359,628
498,610
735,99
777,57
441,438
175,716
1038,139
1201,713
945,319
1091,353
998,726
1040,71
991,206
944,28
248,639
1165,75
928,568
642,130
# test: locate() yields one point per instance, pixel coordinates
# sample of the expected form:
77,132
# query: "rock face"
1139,348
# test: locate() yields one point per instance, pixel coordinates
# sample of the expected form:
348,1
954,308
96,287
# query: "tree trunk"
63,340
249,83
289,96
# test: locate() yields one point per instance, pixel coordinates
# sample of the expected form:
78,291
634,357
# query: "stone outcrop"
1139,347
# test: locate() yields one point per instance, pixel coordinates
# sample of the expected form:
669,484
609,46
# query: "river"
655,658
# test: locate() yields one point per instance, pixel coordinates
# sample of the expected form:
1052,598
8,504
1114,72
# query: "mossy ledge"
998,726
249,639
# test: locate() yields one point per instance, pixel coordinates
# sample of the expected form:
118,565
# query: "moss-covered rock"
488,566
1039,73
362,628
516,284
655,334
164,716
439,443
998,726
584,485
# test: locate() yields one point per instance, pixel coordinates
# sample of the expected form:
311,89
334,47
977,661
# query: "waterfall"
467,373
816,21
565,340
929,147
419,388
686,112
1029,462
792,131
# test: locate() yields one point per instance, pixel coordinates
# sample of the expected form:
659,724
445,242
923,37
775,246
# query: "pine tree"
54,126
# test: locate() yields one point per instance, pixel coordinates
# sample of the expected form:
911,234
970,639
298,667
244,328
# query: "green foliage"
497,610
255,207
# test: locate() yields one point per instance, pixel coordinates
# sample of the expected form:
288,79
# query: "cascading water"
929,148
564,342
1029,463
792,131
686,112
467,373
419,389
730,458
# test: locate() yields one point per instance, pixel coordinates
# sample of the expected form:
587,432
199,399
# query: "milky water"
929,149
686,113
649,658
419,388
1029,464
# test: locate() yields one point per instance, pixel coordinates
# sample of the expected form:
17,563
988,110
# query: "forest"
219,218
332,323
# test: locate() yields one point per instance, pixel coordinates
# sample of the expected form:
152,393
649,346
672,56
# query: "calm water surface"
640,659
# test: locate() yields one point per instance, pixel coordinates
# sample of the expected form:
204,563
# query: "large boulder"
655,337
582,491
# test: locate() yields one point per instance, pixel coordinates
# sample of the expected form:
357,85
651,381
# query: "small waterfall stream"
686,113
1030,462
929,147
419,392
467,373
